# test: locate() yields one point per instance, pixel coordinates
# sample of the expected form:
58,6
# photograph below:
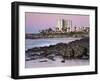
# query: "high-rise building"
64,25
60,24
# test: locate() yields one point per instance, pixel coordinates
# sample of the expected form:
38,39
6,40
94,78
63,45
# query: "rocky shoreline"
78,49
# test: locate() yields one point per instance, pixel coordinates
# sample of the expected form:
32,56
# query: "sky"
39,21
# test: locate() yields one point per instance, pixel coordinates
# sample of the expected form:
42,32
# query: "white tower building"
60,24
69,26
64,25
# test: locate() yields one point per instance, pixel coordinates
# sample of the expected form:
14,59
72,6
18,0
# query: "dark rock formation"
78,49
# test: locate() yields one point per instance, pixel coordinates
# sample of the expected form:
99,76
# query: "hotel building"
66,26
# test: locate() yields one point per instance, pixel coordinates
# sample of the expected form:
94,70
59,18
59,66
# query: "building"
64,25
60,24
80,29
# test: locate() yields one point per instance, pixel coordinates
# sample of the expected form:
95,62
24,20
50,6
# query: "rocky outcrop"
78,49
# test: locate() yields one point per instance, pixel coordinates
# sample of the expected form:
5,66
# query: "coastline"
57,35
78,49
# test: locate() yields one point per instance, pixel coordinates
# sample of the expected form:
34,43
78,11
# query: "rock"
27,59
51,58
76,49
63,61
85,57
43,61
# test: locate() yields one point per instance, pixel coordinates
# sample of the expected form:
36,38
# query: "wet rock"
76,49
63,61
43,61
51,58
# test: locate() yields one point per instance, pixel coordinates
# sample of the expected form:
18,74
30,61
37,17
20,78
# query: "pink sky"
38,21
